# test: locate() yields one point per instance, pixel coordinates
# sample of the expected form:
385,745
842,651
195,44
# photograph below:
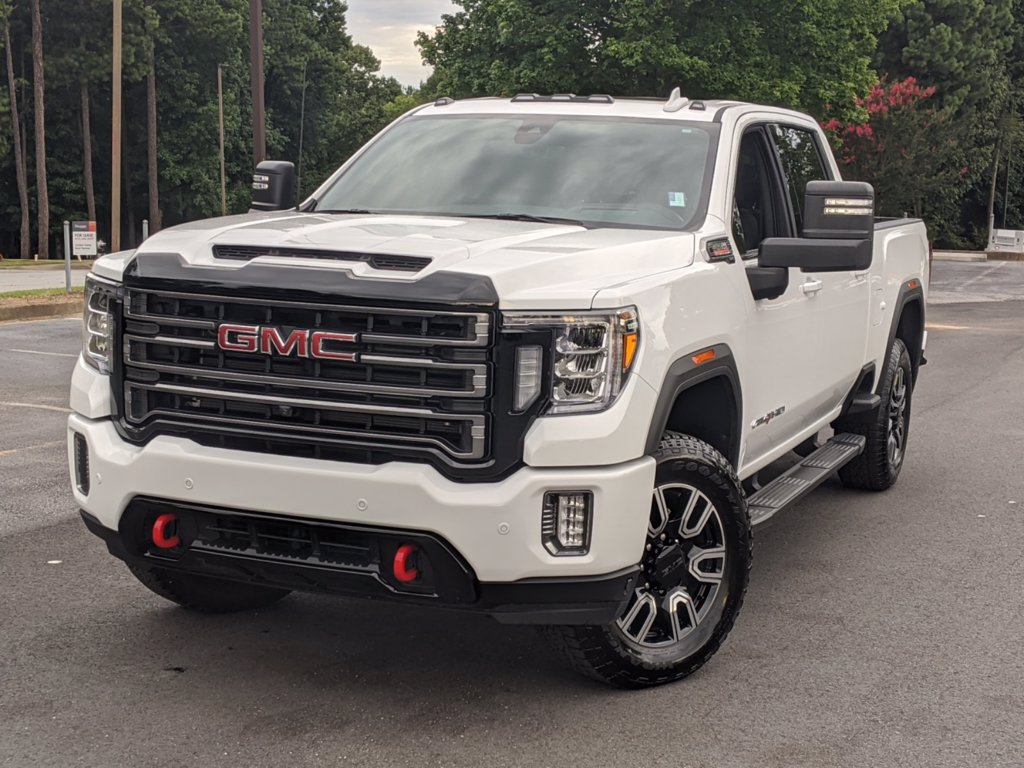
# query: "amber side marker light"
629,344
704,357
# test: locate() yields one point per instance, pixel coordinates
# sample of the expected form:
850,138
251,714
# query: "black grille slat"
279,540
376,260
421,378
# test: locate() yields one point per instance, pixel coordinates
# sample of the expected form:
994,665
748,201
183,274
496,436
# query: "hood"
531,265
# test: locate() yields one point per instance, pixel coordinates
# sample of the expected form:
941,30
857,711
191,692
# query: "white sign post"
83,239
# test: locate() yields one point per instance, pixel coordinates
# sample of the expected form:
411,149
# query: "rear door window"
802,161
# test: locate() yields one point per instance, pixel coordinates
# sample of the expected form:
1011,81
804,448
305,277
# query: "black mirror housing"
273,186
839,210
838,233
815,255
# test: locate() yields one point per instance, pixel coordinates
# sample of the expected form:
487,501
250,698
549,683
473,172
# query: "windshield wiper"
524,217
342,210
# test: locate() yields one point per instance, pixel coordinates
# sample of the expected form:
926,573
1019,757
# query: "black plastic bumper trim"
592,600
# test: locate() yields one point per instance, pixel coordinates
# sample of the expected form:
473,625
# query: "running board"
811,472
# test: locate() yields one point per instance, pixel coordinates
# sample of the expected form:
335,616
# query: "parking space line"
12,451
39,352
57,408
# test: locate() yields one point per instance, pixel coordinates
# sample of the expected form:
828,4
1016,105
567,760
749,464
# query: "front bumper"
494,528
580,600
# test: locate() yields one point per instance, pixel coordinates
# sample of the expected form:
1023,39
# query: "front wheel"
695,568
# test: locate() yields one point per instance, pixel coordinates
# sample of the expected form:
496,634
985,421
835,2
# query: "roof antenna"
676,101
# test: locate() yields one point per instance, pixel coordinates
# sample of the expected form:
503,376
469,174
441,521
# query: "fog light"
566,522
81,464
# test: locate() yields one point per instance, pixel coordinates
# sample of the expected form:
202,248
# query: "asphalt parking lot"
879,630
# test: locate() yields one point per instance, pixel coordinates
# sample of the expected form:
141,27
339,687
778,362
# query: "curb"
45,266
41,310
959,256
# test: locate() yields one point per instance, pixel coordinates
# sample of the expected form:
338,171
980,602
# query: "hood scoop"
386,261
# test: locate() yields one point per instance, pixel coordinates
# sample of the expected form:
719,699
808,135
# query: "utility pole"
115,144
302,126
259,133
220,107
1009,167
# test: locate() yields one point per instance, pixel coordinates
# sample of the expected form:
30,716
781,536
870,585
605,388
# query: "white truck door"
781,375
840,299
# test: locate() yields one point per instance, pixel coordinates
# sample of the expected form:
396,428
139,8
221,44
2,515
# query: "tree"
43,204
25,245
962,48
728,49
903,149
151,159
346,98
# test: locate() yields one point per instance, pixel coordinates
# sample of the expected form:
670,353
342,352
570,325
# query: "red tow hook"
162,526
404,570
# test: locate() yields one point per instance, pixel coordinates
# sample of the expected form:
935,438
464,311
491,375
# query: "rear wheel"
886,430
205,594
694,575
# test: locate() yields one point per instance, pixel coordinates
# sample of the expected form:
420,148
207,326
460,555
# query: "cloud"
389,27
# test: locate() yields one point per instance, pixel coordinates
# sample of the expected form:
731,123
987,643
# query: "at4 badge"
768,417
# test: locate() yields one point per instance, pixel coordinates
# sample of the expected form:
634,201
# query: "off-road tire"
204,594
605,653
874,469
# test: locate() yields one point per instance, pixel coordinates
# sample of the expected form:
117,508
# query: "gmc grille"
421,380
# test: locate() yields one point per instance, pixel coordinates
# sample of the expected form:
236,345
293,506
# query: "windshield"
610,172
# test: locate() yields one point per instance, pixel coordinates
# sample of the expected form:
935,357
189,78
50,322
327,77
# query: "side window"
756,209
801,162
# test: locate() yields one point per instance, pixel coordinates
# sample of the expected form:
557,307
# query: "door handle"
811,287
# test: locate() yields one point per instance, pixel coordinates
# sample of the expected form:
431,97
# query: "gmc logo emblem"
267,340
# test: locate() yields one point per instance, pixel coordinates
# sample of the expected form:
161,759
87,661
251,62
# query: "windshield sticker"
677,199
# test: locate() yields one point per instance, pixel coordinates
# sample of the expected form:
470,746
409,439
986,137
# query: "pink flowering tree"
906,147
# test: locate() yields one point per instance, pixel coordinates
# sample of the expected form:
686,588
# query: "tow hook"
165,531
403,567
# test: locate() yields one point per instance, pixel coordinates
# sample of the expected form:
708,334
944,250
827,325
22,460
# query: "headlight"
591,356
98,322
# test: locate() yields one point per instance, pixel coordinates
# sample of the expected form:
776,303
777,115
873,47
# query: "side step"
804,477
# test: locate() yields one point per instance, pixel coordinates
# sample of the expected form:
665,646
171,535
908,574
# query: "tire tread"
870,471
586,648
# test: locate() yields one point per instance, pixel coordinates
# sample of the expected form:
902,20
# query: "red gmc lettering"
271,342
238,338
268,340
316,344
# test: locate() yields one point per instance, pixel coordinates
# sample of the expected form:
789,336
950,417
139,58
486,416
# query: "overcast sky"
389,28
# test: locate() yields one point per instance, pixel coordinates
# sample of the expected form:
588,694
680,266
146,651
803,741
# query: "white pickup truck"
529,357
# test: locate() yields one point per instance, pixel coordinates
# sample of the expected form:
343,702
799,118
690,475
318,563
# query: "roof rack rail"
596,98
676,101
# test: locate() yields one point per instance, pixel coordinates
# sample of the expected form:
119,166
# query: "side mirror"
839,210
838,234
273,186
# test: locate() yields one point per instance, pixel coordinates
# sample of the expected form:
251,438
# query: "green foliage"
738,49
905,149
822,56
347,101
963,48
